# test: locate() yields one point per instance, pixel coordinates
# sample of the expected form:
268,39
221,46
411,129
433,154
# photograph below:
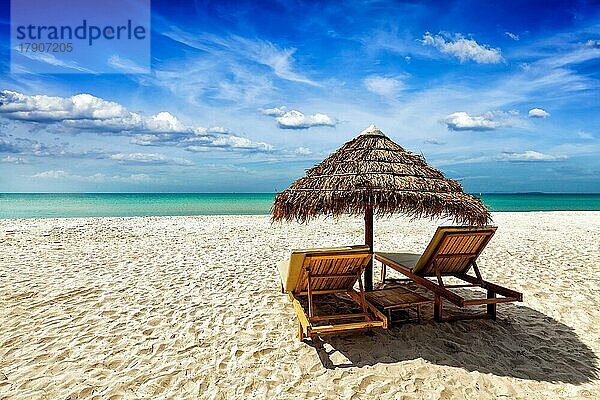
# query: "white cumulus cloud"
40,108
84,112
148,158
274,112
538,113
462,121
294,119
434,141
164,122
529,156
462,48
237,142
303,151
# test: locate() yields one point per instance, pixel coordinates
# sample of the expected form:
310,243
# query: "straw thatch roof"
371,171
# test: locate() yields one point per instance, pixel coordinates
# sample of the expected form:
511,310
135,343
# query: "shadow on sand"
521,343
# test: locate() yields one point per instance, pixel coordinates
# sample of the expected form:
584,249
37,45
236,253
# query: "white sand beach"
189,307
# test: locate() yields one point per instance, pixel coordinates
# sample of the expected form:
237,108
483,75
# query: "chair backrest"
452,249
332,270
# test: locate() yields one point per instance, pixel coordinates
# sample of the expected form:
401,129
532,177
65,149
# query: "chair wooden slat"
453,251
333,272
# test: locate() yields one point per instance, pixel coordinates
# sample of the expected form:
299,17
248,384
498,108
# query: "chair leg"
419,313
300,332
437,308
491,308
383,271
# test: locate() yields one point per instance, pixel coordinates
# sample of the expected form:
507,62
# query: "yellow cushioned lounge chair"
453,251
316,272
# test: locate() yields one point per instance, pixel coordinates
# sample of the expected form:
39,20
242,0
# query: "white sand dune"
188,307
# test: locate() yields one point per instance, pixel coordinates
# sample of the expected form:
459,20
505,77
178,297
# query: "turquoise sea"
50,205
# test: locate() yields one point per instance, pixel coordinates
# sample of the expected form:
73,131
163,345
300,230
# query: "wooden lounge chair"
311,273
453,251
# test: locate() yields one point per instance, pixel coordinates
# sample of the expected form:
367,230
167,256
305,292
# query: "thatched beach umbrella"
372,175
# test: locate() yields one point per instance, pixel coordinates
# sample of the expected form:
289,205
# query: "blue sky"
244,97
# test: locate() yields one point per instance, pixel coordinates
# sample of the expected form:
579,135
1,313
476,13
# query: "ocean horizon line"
137,204
216,193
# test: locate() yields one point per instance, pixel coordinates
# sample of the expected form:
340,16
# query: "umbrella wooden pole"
369,242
